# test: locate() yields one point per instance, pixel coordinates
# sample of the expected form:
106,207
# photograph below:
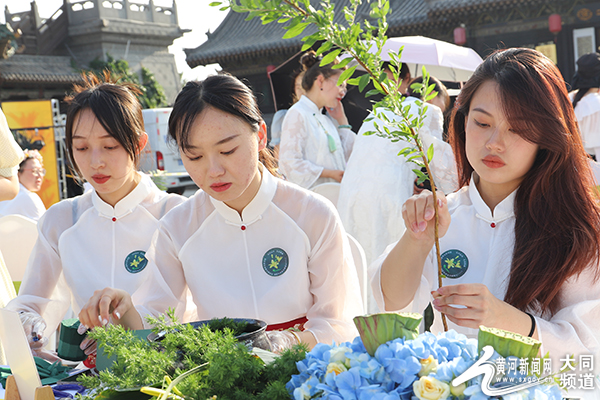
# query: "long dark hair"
557,227
114,105
222,92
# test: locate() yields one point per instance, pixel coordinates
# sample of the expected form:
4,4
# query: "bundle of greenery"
232,371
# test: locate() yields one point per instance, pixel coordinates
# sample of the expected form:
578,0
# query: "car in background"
161,157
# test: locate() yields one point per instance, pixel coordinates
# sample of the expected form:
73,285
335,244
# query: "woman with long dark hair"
521,239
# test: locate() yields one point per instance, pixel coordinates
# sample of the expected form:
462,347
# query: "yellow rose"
428,388
428,366
336,367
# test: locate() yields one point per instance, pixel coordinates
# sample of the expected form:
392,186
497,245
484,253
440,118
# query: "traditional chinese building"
82,30
561,29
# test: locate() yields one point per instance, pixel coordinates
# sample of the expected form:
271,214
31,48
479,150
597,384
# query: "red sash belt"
296,323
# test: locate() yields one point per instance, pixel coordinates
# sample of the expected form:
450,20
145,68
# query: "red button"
114,219
243,227
493,225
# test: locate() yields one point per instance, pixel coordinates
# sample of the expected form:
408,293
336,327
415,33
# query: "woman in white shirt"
31,175
97,239
248,244
520,242
378,181
586,101
315,147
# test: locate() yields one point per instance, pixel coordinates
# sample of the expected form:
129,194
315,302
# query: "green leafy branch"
363,42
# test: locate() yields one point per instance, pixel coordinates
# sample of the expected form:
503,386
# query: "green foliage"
153,95
233,372
220,324
354,39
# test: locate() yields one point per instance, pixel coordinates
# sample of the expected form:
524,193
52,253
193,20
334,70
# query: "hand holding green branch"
357,42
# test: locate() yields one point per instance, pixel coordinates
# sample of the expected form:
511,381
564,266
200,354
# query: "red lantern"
460,35
555,23
270,68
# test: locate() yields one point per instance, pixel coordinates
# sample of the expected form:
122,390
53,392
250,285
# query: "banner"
34,120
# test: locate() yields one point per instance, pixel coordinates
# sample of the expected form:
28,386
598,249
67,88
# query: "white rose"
429,388
336,367
458,390
428,366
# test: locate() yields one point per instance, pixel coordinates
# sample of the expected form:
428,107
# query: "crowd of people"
519,217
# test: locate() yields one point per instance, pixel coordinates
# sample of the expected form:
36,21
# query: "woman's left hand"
338,114
480,307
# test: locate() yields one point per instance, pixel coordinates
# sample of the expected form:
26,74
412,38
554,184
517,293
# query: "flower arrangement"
422,368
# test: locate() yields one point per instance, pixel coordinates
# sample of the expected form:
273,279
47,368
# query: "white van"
162,155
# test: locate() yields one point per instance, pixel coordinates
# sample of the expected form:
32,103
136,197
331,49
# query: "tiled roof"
237,38
33,68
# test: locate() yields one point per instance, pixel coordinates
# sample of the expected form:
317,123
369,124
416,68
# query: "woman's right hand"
335,174
104,304
418,214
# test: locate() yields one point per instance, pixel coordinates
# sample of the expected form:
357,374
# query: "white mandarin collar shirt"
224,259
84,245
488,243
127,203
503,211
253,211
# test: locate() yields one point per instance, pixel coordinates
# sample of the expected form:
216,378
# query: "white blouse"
310,143
285,258
587,112
26,203
84,244
478,248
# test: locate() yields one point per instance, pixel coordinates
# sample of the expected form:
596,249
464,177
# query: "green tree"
153,95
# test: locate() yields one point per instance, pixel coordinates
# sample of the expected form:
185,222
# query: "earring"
321,89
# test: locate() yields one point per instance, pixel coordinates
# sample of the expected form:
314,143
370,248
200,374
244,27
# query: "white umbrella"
443,60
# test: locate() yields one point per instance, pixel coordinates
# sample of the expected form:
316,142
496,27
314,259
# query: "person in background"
98,239
313,149
31,175
586,101
297,91
378,181
520,240
248,244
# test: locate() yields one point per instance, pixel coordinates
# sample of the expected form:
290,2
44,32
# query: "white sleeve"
348,137
166,288
423,293
44,290
575,328
11,154
590,130
292,161
443,165
333,283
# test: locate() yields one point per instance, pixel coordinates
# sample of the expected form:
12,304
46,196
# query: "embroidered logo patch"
275,261
136,261
454,263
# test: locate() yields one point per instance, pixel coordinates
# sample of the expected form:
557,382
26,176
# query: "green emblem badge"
454,263
136,261
275,261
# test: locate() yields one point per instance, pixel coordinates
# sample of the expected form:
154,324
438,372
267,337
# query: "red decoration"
270,68
460,35
555,23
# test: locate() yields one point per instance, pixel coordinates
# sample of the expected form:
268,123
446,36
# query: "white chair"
19,235
331,190
360,261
